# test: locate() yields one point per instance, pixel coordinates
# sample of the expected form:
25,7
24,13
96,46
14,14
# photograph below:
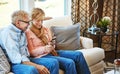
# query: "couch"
93,55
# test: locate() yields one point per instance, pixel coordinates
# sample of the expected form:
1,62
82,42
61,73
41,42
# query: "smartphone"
54,38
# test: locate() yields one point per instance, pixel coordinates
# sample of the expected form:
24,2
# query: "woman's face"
38,23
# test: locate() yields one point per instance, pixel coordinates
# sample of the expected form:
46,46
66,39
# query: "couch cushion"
58,21
67,37
4,64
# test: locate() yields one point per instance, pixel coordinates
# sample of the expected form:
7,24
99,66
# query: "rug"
112,72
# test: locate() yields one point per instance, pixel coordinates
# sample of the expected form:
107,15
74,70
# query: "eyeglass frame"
27,22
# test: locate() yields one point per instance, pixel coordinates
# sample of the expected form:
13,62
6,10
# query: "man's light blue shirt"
13,40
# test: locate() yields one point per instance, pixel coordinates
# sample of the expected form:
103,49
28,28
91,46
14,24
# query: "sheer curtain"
80,13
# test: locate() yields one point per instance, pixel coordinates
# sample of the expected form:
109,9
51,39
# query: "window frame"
28,5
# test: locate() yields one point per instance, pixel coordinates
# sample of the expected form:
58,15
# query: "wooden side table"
113,40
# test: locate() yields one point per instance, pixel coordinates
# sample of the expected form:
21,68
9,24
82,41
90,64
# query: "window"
53,8
7,7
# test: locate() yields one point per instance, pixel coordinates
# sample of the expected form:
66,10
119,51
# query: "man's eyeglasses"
27,22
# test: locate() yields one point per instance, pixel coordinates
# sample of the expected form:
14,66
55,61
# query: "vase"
104,29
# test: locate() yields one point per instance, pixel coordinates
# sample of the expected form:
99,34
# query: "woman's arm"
30,43
40,49
47,18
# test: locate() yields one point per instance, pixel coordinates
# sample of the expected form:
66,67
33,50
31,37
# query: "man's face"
23,24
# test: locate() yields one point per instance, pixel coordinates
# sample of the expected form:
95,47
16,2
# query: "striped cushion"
4,64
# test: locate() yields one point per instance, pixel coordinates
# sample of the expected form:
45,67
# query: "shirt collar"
14,28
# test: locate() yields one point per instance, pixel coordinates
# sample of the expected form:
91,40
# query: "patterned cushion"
4,64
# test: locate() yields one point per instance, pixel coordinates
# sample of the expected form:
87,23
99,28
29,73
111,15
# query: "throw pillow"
68,37
4,64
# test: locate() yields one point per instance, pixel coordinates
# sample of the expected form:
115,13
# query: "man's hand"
41,69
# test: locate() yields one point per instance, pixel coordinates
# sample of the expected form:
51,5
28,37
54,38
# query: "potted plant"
103,23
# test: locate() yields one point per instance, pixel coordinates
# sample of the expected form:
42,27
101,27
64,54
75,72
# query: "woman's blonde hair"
19,15
37,14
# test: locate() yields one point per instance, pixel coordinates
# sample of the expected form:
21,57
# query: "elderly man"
13,41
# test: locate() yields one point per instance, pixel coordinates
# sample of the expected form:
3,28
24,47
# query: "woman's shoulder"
29,33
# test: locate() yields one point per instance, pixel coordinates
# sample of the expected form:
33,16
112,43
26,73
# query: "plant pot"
104,29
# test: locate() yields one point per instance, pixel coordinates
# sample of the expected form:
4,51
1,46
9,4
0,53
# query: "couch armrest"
86,42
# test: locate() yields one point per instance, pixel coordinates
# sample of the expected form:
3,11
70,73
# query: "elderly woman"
40,46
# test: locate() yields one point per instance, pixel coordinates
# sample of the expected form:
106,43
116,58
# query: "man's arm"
11,46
